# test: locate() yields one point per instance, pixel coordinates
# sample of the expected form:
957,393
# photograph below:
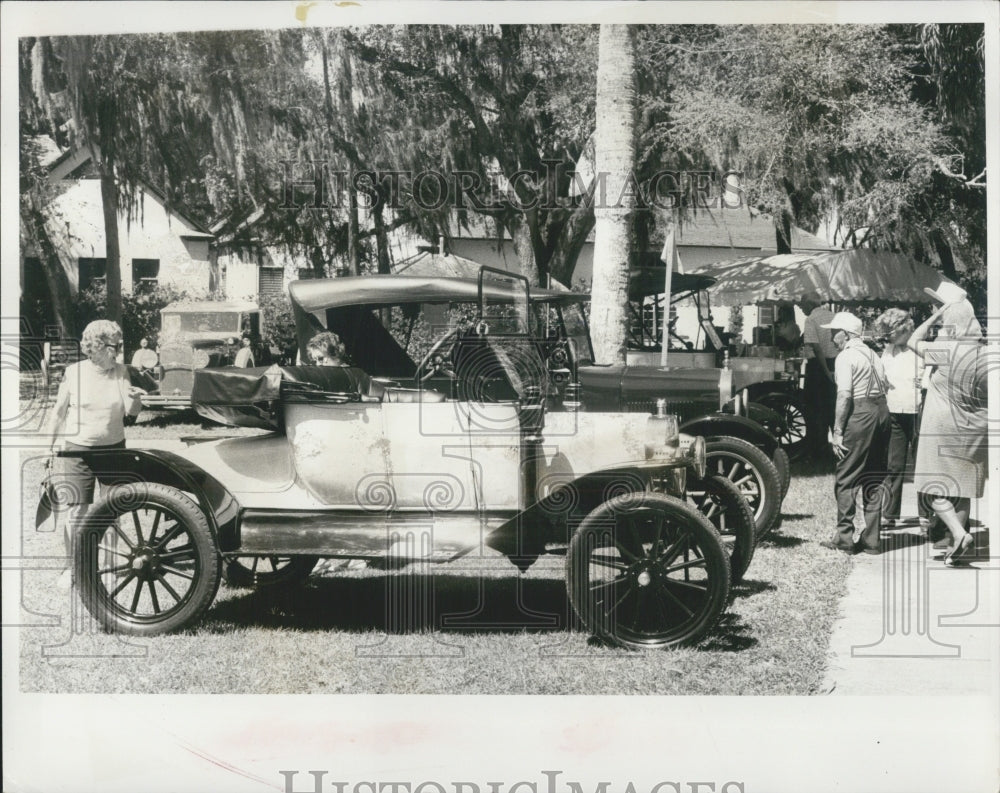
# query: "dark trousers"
902,428
863,467
820,395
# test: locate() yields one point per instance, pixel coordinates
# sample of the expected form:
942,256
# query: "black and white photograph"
500,397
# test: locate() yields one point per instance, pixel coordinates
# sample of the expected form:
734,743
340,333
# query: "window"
92,272
269,280
144,274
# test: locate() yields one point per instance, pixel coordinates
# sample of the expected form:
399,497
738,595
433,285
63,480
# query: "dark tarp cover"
252,397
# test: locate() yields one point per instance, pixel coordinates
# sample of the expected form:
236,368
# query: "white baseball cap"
947,292
846,321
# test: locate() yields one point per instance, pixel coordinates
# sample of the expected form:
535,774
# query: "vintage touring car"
458,426
196,335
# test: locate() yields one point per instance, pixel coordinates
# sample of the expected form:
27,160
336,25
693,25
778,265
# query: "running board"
401,535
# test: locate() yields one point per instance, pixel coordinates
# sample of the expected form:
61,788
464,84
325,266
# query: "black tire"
630,546
267,571
753,472
792,410
781,462
721,502
141,543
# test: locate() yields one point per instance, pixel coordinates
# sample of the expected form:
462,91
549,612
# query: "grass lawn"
475,626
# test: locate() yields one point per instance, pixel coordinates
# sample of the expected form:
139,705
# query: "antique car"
458,427
197,335
742,436
765,380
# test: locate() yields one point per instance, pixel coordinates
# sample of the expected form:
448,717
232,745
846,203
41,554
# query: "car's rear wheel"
719,500
752,471
647,571
146,562
267,571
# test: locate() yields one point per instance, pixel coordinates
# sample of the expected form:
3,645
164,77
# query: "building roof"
72,159
737,228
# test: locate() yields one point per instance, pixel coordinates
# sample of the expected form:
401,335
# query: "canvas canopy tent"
854,276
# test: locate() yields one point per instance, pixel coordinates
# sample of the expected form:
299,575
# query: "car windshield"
204,321
389,341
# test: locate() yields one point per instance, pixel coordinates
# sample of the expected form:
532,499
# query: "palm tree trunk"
615,156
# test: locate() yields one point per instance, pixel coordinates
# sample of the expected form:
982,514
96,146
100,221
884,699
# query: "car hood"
638,387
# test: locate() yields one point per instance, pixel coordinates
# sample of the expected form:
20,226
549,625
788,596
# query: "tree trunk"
353,259
570,243
943,250
381,240
63,307
615,156
113,265
783,232
522,238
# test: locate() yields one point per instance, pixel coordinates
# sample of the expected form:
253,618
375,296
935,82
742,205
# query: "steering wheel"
435,361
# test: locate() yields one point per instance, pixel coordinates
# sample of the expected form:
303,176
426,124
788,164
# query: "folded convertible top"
252,397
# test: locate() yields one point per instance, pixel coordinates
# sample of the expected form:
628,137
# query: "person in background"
787,336
819,389
952,455
244,358
89,414
326,349
860,436
229,352
145,359
903,372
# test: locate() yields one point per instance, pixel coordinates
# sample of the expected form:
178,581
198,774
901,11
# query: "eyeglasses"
115,347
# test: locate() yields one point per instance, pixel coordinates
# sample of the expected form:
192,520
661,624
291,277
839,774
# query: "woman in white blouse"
902,369
89,414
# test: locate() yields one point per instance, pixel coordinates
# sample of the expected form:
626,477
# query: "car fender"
551,519
715,424
166,468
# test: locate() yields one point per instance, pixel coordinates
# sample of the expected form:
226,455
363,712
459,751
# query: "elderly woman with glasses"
94,399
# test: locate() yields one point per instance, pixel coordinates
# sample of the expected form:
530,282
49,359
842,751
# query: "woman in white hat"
951,460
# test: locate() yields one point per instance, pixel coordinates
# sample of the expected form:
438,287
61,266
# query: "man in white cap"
861,428
819,389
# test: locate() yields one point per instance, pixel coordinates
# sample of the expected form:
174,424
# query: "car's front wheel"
753,472
145,560
719,500
647,571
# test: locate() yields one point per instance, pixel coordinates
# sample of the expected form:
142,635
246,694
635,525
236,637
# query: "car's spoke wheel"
719,500
647,570
752,472
784,467
146,561
791,409
266,571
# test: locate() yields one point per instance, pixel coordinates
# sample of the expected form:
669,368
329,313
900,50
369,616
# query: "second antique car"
457,427
196,335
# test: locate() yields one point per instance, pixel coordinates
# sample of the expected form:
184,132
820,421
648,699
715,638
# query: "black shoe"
834,547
